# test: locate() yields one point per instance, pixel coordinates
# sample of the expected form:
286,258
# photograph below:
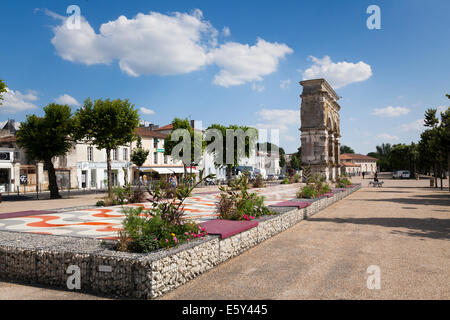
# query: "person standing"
363,174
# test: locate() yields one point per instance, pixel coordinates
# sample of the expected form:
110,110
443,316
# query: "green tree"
296,160
238,154
2,90
46,137
139,155
346,149
434,144
373,155
107,124
384,152
196,144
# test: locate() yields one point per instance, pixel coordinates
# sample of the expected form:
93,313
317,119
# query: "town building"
355,164
158,165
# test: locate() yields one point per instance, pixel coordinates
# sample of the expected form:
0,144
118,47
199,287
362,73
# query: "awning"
166,170
5,165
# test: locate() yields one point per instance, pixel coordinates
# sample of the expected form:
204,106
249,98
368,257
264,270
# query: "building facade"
360,162
157,165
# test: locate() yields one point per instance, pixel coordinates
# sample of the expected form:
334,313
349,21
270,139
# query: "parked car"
401,174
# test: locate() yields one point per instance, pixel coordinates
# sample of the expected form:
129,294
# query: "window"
155,143
125,154
90,153
155,157
114,154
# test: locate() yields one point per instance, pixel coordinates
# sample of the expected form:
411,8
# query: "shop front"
94,175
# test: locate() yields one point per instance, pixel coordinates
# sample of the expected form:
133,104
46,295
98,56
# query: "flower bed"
44,259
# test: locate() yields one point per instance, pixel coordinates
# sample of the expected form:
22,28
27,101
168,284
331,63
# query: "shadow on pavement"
426,227
431,199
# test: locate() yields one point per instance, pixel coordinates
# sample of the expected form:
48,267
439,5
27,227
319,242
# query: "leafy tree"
434,145
106,124
196,140
384,152
139,154
2,89
296,160
373,155
238,155
346,149
47,137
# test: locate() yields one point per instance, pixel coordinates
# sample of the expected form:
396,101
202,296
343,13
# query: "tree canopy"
46,137
238,153
346,149
107,124
2,90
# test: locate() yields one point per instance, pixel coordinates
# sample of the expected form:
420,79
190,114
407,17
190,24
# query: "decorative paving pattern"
103,223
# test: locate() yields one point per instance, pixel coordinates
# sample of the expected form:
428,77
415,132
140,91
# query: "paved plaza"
105,222
403,228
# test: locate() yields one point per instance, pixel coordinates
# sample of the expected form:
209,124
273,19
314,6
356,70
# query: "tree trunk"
185,174
108,169
435,175
52,184
448,167
229,172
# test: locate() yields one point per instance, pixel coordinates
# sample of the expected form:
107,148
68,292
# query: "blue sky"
233,62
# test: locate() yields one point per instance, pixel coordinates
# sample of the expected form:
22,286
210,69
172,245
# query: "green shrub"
258,182
285,181
325,188
236,203
295,178
148,230
162,226
122,195
342,182
100,203
315,187
307,192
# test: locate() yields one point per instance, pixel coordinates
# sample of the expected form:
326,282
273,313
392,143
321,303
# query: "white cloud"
156,43
226,32
278,119
417,125
285,84
387,137
67,99
286,121
241,63
151,43
337,74
15,101
257,87
390,111
147,111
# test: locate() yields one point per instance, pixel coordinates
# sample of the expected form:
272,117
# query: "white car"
401,174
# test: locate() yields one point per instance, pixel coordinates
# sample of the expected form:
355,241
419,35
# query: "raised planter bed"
44,259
